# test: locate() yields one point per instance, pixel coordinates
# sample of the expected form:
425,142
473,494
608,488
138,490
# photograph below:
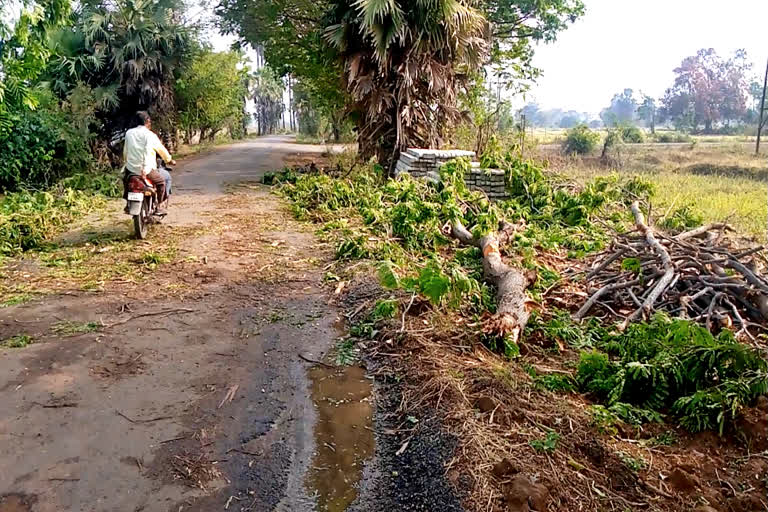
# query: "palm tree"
405,61
130,48
268,96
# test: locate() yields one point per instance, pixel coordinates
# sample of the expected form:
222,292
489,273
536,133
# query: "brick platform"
426,163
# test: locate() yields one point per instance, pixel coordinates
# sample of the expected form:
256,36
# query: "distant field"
723,182
555,136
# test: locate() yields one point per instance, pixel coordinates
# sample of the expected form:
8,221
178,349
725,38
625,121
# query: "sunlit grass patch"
721,183
18,341
71,328
16,299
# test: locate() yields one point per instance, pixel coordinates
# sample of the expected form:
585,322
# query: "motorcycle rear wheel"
141,221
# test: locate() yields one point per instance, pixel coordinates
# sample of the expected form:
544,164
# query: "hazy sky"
637,44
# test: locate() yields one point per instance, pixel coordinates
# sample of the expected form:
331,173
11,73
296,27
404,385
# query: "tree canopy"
708,91
210,93
398,67
621,110
24,52
130,51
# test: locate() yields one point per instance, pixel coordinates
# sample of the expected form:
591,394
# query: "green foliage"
546,445
152,258
580,140
675,365
635,464
129,53
70,328
681,218
106,183
555,382
29,219
18,341
503,345
596,373
603,419
631,265
276,178
268,97
42,147
211,93
388,275
24,53
385,309
561,328
666,438
399,223
346,352
631,134
635,415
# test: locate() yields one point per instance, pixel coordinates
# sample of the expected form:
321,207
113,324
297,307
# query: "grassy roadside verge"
30,219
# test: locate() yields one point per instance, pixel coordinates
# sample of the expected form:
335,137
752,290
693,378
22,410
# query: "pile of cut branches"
699,275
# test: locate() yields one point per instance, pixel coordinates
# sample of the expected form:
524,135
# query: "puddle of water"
343,435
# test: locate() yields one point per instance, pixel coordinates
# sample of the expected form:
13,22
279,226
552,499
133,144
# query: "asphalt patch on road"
411,479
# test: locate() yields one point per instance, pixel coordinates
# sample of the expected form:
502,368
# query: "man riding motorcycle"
139,156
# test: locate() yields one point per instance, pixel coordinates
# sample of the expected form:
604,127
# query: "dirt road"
176,382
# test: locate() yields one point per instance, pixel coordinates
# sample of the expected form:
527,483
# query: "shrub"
29,151
40,149
675,365
682,218
29,219
632,134
580,140
672,137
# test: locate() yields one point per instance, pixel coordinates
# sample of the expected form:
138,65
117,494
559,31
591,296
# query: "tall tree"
621,110
517,26
403,63
289,36
210,93
532,113
131,48
708,90
268,97
646,111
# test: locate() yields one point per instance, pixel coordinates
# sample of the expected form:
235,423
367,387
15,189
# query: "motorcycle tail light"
135,185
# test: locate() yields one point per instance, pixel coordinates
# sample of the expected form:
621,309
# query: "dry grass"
722,183
502,418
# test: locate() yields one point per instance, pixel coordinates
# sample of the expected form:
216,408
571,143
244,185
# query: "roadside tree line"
75,73
710,94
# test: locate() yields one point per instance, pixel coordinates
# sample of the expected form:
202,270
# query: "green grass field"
726,182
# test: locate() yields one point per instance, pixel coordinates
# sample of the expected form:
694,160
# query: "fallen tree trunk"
512,313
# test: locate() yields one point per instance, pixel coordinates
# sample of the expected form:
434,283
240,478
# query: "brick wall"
425,163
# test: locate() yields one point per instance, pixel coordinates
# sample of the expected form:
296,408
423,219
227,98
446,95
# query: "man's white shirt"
141,144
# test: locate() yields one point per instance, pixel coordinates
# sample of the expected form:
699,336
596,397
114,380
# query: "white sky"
622,44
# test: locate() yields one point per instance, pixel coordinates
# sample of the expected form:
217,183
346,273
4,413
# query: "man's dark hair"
141,118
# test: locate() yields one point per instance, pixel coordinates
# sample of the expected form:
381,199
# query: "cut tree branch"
511,314
666,261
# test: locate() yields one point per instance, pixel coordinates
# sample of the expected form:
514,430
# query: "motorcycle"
142,202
